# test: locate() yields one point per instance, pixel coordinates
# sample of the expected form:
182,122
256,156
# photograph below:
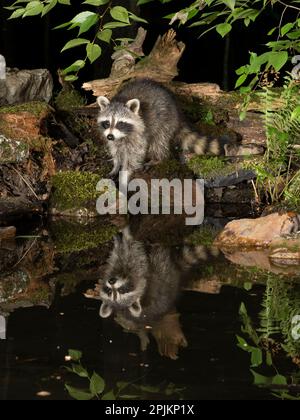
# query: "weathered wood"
160,65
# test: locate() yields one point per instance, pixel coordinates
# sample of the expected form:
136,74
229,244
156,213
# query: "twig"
26,182
288,5
26,253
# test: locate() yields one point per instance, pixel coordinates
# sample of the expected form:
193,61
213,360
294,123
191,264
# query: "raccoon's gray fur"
143,123
142,282
138,283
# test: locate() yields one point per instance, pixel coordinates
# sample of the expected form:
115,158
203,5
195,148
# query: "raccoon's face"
119,293
117,121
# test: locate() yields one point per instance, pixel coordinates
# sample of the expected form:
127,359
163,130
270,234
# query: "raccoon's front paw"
169,336
149,165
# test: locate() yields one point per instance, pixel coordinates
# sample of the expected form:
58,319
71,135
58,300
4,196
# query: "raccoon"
143,123
138,283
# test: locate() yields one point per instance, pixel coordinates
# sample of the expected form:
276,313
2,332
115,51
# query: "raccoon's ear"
136,309
103,102
134,105
105,310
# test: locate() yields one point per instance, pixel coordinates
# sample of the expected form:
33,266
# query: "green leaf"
93,52
71,78
141,2
49,7
96,2
75,355
248,285
17,13
79,64
137,18
88,23
110,396
272,31
112,25
97,384
120,13
82,17
80,371
279,380
65,2
296,113
33,8
105,35
75,43
286,28
241,80
223,29
63,25
256,357
278,59
260,380
230,3
79,394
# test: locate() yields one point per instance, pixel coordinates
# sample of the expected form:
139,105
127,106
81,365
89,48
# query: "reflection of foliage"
205,235
121,391
281,303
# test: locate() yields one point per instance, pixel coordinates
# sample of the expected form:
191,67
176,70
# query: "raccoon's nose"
112,281
110,137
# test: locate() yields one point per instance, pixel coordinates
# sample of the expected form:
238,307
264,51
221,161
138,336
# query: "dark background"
32,43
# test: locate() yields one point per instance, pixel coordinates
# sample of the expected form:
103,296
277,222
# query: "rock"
285,252
7,233
232,179
17,208
74,194
258,232
27,85
12,151
261,261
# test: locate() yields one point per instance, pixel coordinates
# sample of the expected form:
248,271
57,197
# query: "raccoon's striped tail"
192,142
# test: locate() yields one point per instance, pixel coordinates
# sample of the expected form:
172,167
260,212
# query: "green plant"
97,389
266,342
282,41
279,168
91,23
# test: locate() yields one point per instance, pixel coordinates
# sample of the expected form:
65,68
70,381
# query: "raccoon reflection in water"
141,286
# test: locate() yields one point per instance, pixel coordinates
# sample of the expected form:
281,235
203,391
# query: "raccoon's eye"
105,124
107,290
123,289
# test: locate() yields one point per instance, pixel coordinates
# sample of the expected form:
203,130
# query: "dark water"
234,322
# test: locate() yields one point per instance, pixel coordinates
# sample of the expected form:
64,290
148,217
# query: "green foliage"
86,22
96,388
265,343
282,41
277,174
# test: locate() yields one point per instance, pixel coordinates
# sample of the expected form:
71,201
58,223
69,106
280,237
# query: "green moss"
205,235
68,99
40,296
170,169
75,190
35,108
71,237
210,167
